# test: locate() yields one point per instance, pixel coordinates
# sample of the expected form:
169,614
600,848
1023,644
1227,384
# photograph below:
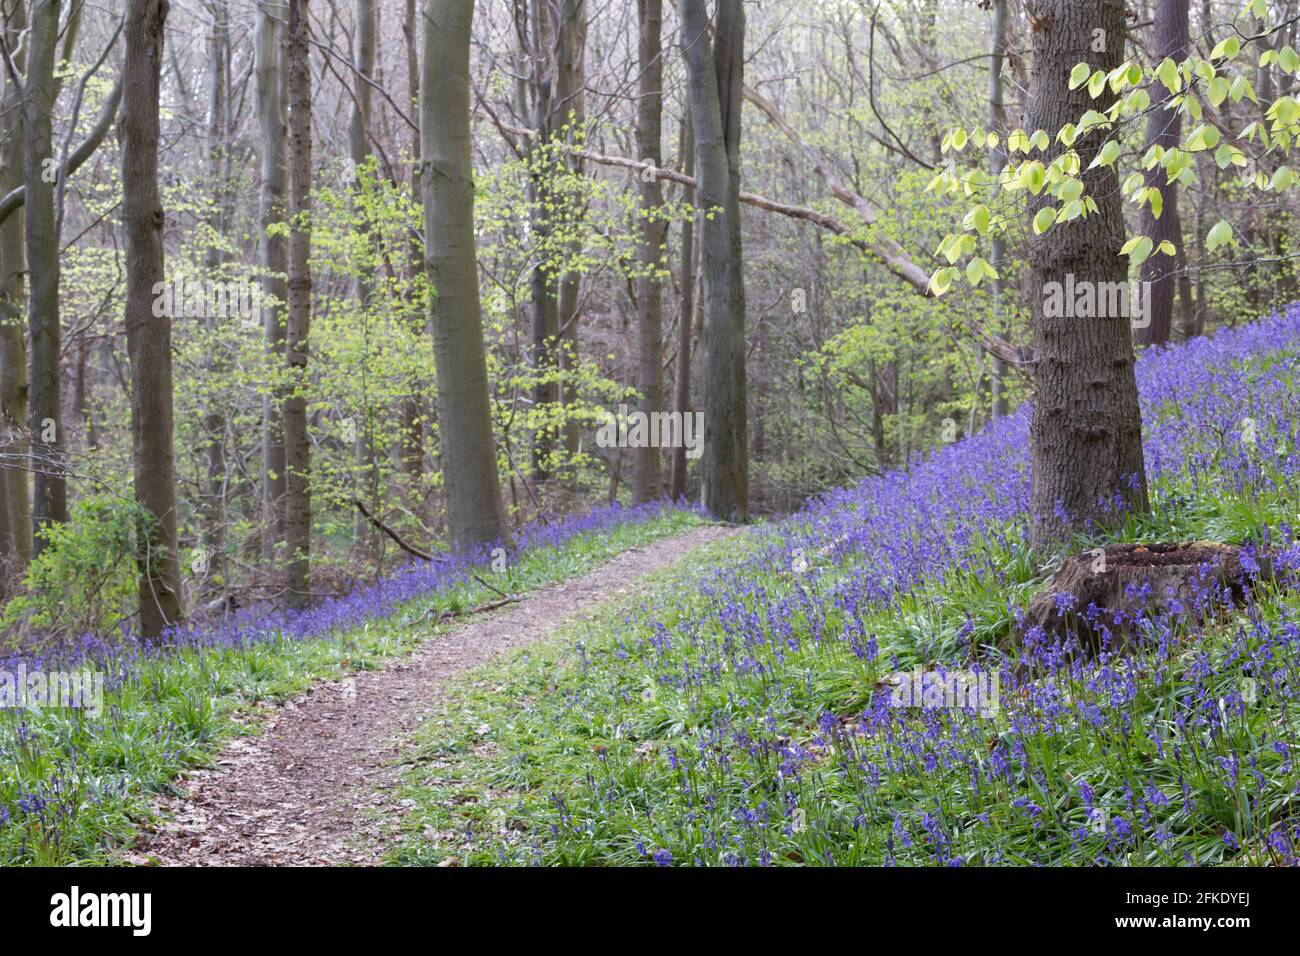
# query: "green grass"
173,712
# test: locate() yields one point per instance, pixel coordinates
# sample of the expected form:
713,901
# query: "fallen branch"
397,538
417,553
471,611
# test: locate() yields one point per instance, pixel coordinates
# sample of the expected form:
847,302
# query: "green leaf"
1044,220
1204,136
1071,210
1070,190
941,281
1228,47
1078,76
1218,91
1156,200
1220,235
1107,155
1138,249
1167,73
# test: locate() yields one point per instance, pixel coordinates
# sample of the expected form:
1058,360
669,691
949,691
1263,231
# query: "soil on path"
304,791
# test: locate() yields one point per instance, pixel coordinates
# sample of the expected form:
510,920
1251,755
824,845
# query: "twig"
481,609
416,552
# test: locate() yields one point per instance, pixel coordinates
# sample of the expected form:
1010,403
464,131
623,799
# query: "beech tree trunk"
270,89
716,81
647,481
362,289
15,491
148,337
469,465
572,77
1165,128
1086,432
219,221
543,284
50,504
412,411
297,450
685,323
997,161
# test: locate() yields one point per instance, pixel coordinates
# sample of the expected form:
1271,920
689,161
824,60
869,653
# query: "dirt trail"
302,791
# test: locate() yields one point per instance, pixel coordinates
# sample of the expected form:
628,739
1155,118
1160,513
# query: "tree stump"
1130,581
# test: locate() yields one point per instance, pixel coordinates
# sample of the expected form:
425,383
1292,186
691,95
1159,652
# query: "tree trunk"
15,502
571,73
469,465
148,336
685,323
1086,432
1165,129
543,281
997,161
716,94
50,505
219,221
297,451
270,82
647,480
412,413
362,290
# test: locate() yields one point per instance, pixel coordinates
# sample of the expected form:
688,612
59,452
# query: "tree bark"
412,411
685,323
15,501
1086,431
219,220
998,161
50,504
148,336
1165,129
270,89
469,465
543,281
647,479
362,289
297,450
716,81
572,79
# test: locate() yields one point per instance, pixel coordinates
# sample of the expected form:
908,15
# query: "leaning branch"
423,555
889,252
15,198
397,538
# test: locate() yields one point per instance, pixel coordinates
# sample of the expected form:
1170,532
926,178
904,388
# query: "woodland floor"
313,786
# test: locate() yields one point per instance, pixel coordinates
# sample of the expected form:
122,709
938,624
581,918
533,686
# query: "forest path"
303,791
